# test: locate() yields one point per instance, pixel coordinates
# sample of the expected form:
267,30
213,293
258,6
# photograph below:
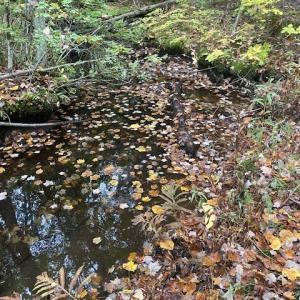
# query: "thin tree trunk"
237,20
10,51
41,44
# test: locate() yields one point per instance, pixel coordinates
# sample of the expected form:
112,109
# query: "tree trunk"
10,52
41,44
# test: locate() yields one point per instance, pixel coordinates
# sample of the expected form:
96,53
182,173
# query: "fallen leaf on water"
166,244
97,240
130,266
141,149
139,207
134,126
123,205
146,199
39,171
114,182
157,209
3,195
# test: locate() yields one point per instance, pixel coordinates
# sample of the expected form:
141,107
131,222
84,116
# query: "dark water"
64,187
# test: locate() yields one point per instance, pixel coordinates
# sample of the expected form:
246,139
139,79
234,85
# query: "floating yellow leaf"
80,161
114,182
97,240
2,170
141,149
134,126
146,199
152,175
39,171
139,207
166,244
157,209
291,274
130,266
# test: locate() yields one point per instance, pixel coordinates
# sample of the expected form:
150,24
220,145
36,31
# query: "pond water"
64,187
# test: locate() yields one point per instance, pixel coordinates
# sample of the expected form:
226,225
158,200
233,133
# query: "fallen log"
43,70
185,139
39,125
141,12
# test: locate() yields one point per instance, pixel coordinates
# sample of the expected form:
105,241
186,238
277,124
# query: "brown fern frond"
62,276
45,285
85,281
75,278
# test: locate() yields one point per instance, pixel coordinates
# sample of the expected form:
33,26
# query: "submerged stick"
39,125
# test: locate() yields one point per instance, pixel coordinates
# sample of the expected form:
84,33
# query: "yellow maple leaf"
130,266
291,274
157,209
114,182
166,244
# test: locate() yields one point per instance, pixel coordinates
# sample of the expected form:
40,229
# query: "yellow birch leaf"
39,171
141,149
209,221
114,182
80,161
291,274
157,209
2,170
130,266
139,207
275,243
146,199
134,126
166,244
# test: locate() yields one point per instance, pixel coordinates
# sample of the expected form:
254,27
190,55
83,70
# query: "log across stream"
185,139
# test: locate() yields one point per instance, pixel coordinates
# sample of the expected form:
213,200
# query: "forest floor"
230,227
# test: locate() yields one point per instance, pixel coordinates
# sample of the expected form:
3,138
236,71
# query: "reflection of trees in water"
63,238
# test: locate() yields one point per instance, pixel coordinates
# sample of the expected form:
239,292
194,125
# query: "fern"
48,287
